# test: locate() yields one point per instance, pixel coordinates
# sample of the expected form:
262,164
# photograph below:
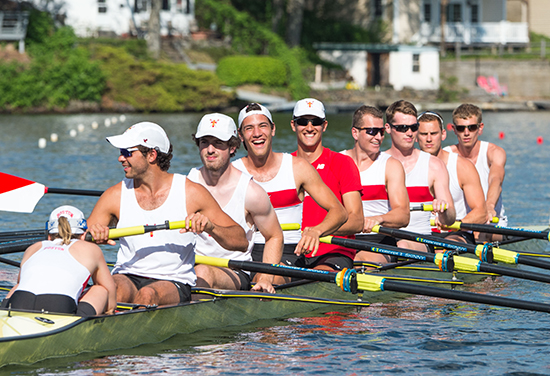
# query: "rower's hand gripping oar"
349,280
446,261
21,195
116,233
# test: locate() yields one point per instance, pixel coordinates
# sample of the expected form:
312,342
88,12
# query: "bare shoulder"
464,163
87,248
495,152
393,165
437,164
257,200
301,167
454,148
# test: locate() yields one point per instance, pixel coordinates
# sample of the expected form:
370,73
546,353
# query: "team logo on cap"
145,139
65,213
213,122
309,103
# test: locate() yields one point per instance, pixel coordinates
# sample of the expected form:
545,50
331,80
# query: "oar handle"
424,207
500,230
467,226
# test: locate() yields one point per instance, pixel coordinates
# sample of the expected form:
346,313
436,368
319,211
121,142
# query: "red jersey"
340,174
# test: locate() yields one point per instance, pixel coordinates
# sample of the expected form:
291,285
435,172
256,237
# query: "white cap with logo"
74,216
147,134
309,106
217,125
262,111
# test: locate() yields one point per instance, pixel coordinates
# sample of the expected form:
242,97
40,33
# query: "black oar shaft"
17,245
289,271
9,262
22,233
79,192
404,287
504,230
533,261
512,272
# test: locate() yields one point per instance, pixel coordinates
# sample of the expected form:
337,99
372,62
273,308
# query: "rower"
427,179
241,198
286,179
338,172
55,271
385,198
157,268
464,181
488,158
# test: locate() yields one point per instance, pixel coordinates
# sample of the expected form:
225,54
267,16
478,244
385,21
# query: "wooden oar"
366,282
21,195
443,260
485,252
501,230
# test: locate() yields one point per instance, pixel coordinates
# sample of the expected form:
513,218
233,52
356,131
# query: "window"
475,13
454,13
377,5
416,63
165,4
140,6
102,6
427,12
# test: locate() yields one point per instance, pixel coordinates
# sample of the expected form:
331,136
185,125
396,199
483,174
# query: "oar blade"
18,194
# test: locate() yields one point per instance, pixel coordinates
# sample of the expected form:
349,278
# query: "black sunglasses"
127,153
462,128
404,127
371,131
304,121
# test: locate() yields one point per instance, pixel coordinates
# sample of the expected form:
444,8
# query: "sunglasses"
462,128
304,121
404,127
371,131
127,153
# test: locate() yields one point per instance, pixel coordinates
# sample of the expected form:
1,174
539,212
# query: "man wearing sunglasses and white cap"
464,181
241,198
426,178
157,268
385,198
287,180
338,172
488,158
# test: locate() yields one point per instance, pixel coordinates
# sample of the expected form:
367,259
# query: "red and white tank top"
418,189
53,270
284,198
163,254
373,179
235,208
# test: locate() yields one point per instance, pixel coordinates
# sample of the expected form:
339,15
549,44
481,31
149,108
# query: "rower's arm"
259,207
106,210
102,277
354,208
496,157
206,215
439,180
399,215
468,179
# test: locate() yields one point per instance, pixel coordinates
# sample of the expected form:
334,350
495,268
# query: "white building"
400,66
125,17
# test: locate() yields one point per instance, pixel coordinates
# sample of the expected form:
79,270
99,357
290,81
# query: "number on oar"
349,279
21,195
501,230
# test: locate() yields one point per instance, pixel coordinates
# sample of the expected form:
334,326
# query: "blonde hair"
65,232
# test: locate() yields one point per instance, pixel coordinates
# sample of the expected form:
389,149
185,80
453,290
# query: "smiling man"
338,172
241,198
287,179
488,158
157,268
427,179
385,198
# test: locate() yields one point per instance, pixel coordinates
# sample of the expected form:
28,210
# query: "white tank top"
418,189
482,167
373,179
459,200
284,198
163,254
53,270
235,208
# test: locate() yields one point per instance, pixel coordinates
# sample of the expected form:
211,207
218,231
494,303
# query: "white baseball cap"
309,106
218,125
262,111
147,134
74,216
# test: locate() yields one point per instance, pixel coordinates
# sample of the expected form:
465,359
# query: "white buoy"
73,132
81,128
41,143
95,125
123,118
53,137
114,120
107,122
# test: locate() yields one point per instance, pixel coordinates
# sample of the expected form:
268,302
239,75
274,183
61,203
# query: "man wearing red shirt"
338,172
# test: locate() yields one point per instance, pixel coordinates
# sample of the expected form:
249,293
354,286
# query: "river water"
417,336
